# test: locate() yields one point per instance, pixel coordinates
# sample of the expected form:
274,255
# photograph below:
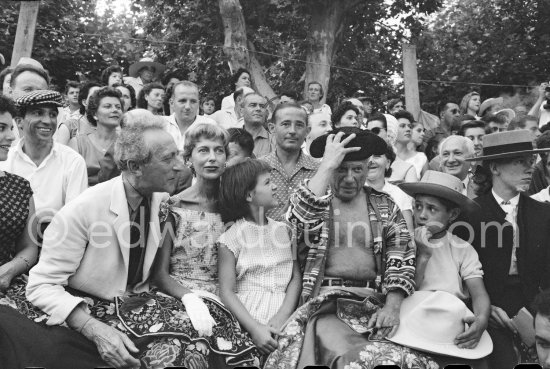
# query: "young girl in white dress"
260,280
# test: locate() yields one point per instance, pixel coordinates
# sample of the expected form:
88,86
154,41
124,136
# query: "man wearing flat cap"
353,242
56,172
512,238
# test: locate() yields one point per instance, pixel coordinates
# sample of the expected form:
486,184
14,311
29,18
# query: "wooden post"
26,25
412,98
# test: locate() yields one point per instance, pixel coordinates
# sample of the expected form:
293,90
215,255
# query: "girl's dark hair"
390,155
236,182
483,178
243,138
132,94
238,74
8,106
146,90
378,116
3,76
340,111
83,94
95,100
432,144
108,71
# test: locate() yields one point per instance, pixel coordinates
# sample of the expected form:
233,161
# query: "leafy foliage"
500,42
71,38
279,31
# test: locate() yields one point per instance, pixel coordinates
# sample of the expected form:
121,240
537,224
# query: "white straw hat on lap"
430,322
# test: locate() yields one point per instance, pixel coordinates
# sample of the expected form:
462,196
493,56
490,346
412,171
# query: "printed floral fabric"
387,353
194,257
15,298
356,313
161,315
366,357
164,333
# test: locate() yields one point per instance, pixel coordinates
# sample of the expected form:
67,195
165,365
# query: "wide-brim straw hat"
507,144
442,185
430,322
146,62
508,112
489,103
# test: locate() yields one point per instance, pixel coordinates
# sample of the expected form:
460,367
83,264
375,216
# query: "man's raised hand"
336,150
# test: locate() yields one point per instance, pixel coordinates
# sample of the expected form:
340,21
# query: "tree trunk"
236,46
327,24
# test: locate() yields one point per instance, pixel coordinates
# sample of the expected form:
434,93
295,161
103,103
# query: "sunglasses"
376,130
454,111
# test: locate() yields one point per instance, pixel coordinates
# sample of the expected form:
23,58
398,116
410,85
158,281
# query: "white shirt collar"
20,152
513,201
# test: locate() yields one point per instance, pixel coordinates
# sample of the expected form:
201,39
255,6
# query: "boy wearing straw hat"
512,237
445,262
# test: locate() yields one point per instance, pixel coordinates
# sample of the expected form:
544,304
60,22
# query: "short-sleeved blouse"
263,264
15,196
91,154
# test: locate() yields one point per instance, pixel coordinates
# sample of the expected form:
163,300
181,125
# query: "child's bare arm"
292,296
482,307
261,335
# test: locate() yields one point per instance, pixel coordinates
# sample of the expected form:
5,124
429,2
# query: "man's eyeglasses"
454,111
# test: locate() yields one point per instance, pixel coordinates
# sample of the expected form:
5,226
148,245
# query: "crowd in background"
64,151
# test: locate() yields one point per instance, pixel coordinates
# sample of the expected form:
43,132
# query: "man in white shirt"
184,102
232,117
453,151
56,172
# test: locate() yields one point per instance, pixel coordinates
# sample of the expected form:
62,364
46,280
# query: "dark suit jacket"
495,250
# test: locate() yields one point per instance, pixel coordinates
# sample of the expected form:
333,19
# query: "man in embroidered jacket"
351,232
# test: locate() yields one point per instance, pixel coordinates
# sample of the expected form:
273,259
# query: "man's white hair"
466,143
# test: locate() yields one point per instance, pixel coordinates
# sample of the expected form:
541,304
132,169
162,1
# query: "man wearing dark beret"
352,242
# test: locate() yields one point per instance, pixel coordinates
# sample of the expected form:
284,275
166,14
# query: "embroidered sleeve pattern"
308,214
400,254
307,211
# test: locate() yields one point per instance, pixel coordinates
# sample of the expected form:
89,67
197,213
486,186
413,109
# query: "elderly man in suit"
102,245
454,152
512,237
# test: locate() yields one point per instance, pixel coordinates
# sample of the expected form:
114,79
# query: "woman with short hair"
186,266
151,97
241,78
105,113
